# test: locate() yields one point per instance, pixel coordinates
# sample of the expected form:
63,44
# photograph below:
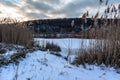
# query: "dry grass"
12,31
106,48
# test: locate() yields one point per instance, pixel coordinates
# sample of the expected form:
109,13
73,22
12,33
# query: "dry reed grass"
106,48
12,31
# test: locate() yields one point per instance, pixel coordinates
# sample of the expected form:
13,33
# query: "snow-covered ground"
73,44
44,66
65,43
41,65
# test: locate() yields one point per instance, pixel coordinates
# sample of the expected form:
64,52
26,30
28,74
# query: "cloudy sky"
44,9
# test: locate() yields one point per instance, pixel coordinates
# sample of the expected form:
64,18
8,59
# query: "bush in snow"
52,47
2,51
14,58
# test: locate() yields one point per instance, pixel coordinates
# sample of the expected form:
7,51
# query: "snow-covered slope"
41,65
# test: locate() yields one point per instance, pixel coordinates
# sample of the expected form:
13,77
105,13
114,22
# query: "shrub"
52,47
2,51
14,58
3,60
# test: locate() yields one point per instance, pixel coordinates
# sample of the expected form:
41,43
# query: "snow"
66,44
44,66
41,65
72,43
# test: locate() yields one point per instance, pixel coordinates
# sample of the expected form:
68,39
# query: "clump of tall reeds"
12,31
106,47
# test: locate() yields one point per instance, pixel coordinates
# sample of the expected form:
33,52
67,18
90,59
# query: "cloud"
40,5
0,12
52,2
36,16
12,3
40,9
75,8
